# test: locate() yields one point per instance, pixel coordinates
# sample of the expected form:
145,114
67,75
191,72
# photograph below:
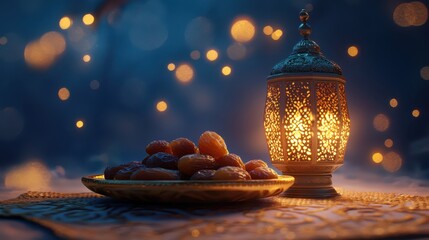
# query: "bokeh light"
388,143
86,58
410,14
3,40
161,106
65,23
392,162
236,51
36,57
80,124
63,94
171,66
53,43
94,84
184,73
42,53
226,70
31,176
243,29
195,55
381,122
353,51
212,55
277,34
268,30
393,102
415,113
377,157
88,19
424,73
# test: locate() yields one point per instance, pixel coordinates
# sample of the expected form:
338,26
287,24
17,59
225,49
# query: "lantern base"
311,186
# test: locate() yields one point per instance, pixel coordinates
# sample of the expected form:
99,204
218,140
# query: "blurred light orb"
80,124
415,113
86,58
195,55
88,19
392,162
94,84
53,43
243,29
161,106
171,67
410,14
377,157
277,34
381,122
41,54
184,73
226,70
199,33
424,73
236,51
3,40
268,30
36,57
212,55
388,143
11,124
393,102
31,176
63,94
65,23
353,51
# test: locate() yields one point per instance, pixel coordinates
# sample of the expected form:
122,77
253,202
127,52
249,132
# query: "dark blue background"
120,117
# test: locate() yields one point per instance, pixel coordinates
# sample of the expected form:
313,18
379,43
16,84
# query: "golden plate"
187,190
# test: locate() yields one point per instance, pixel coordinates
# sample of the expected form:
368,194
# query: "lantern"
306,118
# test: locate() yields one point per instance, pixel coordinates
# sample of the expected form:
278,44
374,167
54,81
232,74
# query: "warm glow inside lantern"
306,117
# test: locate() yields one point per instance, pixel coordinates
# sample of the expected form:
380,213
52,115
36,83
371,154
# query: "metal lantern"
306,118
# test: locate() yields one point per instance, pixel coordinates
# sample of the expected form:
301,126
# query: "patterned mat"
353,215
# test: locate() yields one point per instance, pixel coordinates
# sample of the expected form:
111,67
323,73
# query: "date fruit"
183,146
125,173
203,175
231,159
162,160
263,173
190,164
252,164
155,174
231,173
211,143
110,171
158,146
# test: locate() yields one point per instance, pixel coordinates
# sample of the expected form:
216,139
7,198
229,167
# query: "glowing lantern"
306,118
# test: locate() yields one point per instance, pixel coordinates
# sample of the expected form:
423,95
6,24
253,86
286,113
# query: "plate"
187,190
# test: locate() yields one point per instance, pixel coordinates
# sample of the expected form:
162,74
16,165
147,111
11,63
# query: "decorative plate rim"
99,179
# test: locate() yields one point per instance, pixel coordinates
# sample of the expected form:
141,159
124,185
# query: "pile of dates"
182,159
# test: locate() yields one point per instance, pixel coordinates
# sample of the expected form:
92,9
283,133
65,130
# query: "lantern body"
306,120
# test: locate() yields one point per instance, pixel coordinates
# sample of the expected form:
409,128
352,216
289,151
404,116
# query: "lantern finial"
304,28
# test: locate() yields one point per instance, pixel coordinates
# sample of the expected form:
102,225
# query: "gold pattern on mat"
353,215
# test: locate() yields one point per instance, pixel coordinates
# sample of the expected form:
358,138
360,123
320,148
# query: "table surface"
365,210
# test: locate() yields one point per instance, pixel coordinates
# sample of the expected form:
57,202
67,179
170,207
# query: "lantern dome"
306,55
